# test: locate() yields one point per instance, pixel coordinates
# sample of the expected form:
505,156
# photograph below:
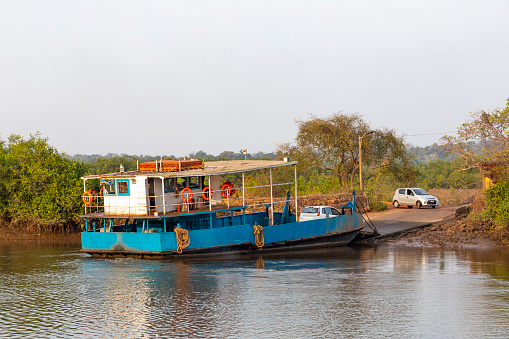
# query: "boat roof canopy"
210,168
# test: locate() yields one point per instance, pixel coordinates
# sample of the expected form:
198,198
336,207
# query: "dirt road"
395,220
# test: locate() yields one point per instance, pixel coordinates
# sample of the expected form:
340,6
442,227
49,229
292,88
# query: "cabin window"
181,183
123,187
194,182
169,185
109,187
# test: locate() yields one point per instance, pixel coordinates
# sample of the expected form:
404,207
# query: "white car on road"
411,197
318,212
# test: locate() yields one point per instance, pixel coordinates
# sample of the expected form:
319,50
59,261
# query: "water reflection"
49,290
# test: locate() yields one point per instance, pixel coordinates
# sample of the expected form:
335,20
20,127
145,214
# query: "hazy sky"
174,77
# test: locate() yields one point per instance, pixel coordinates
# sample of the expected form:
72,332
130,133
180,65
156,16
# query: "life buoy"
87,198
101,193
227,189
187,195
206,193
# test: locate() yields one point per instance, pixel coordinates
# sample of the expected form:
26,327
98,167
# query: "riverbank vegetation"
491,130
40,188
488,221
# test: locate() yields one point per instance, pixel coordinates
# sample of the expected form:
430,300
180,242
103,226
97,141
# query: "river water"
51,290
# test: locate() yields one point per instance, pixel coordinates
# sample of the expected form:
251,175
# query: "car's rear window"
310,210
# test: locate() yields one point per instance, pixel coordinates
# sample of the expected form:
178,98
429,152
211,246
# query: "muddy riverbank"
11,231
454,233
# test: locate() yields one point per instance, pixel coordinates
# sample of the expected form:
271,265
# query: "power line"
415,135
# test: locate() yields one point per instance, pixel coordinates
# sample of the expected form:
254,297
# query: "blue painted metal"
227,231
118,181
349,205
210,232
286,210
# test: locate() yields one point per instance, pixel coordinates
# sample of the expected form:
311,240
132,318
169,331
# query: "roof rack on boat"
209,168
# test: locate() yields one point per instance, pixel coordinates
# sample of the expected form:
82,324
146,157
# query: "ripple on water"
366,292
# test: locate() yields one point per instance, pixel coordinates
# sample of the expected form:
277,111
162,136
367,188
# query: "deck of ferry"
207,210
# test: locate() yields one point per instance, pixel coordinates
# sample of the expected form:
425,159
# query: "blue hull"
337,231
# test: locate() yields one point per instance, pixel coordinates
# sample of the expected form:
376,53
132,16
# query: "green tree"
4,179
40,183
491,129
497,206
331,144
438,174
112,165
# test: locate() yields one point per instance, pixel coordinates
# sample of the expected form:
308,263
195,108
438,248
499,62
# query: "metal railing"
128,205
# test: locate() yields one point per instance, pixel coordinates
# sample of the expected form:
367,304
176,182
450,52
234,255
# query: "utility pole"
360,158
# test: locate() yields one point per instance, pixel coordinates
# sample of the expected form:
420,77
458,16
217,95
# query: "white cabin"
139,193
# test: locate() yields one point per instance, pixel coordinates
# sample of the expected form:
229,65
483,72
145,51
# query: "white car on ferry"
318,212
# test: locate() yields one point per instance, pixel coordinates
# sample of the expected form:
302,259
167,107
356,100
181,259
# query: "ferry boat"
172,208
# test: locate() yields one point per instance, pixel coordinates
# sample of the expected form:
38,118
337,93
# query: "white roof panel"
210,168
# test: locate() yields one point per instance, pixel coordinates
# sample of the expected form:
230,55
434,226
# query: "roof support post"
129,201
210,201
243,190
271,197
84,190
164,197
296,210
210,194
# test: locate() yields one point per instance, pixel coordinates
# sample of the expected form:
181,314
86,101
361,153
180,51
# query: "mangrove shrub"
497,203
37,182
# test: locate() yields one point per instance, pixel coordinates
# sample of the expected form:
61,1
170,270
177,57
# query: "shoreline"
39,236
454,232
451,232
